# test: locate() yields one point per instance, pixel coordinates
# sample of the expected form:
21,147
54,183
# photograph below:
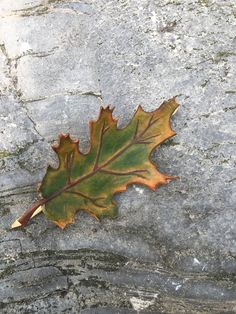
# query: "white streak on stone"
139,304
139,190
196,261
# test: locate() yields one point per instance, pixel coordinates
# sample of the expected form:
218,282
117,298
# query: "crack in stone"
66,93
34,124
39,54
12,67
12,64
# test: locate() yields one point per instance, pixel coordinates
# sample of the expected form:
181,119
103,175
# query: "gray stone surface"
169,251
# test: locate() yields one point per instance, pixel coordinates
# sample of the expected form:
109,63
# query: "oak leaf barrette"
116,158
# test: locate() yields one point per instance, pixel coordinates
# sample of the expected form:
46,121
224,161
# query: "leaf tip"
110,108
139,108
105,114
60,224
107,109
62,138
16,224
174,104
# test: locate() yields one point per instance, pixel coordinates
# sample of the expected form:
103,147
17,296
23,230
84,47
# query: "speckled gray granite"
169,251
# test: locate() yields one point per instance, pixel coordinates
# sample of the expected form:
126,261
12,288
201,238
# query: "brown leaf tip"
106,114
171,103
108,108
64,140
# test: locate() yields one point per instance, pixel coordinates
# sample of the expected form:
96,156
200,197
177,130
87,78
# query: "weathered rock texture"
170,251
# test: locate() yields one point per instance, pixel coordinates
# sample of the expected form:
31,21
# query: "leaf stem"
23,220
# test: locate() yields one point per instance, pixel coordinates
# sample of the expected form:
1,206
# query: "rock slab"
169,251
